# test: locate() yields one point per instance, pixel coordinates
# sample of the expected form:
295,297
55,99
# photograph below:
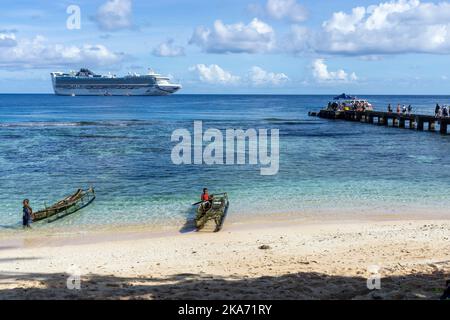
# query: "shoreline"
91,234
319,259
109,232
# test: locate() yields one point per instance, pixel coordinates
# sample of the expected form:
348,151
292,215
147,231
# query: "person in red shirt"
206,200
205,195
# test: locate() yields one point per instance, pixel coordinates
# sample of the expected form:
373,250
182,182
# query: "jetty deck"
409,121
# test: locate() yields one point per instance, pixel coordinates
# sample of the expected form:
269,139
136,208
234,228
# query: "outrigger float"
69,205
211,215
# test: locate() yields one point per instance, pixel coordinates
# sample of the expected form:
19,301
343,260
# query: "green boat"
211,214
71,204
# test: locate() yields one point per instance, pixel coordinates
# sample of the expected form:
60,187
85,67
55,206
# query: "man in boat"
207,199
27,214
205,195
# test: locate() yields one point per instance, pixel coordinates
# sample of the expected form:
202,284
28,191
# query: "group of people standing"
440,112
353,105
401,109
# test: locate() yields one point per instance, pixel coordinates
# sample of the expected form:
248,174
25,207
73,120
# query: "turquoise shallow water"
51,145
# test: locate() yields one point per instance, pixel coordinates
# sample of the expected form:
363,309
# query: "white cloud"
259,76
256,76
256,36
345,23
401,26
168,49
322,74
114,15
289,9
213,74
7,39
39,53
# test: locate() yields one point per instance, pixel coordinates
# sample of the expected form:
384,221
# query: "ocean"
52,145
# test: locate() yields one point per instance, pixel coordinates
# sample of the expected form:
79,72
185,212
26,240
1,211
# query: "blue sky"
245,46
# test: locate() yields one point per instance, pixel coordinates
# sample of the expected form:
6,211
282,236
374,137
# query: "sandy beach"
285,260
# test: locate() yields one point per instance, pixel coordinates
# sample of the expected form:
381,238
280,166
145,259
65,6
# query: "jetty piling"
389,119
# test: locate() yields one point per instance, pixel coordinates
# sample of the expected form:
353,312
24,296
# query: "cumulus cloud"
401,26
322,74
286,9
168,49
39,53
258,76
114,15
256,36
7,39
213,74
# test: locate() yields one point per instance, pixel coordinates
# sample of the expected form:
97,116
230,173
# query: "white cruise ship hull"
153,91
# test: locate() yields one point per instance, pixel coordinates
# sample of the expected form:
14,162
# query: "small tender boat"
211,215
345,102
71,204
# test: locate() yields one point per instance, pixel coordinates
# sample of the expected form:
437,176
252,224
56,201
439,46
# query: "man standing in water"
27,214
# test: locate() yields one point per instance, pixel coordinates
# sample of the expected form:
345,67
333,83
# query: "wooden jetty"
410,121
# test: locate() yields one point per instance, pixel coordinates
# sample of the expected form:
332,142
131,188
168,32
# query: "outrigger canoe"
211,215
71,204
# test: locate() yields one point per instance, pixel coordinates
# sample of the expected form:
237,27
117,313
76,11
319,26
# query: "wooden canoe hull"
212,219
71,204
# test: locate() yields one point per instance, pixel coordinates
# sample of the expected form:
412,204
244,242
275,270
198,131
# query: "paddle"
194,204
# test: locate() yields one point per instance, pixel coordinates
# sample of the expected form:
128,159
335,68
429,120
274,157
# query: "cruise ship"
87,83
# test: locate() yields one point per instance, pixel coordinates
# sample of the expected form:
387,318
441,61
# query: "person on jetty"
27,214
437,110
389,108
398,108
409,109
445,111
404,109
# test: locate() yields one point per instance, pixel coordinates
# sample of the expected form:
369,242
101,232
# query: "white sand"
326,260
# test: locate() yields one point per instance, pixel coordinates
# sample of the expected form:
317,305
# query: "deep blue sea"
51,145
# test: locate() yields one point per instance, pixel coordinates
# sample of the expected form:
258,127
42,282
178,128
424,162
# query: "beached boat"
71,204
211,215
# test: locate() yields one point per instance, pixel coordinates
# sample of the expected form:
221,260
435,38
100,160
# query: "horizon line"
246,94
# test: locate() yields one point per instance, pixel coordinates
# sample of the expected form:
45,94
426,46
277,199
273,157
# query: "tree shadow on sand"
304,285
